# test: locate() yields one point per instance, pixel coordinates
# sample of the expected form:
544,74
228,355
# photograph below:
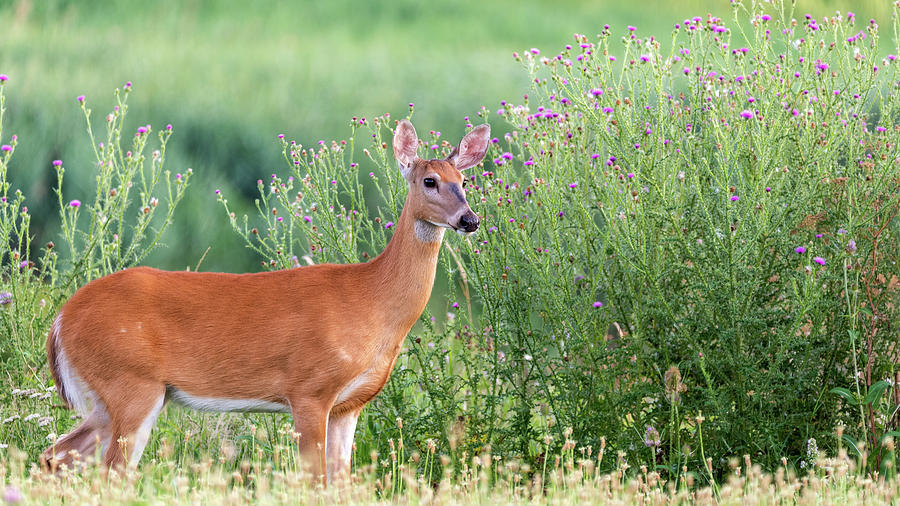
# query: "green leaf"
846,394
851,444
875,391
891,433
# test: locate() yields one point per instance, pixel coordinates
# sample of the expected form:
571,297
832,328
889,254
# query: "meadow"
684,287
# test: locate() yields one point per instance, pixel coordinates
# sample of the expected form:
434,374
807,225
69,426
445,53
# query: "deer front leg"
311,422
339,444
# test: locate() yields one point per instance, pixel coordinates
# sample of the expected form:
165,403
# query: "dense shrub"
730,204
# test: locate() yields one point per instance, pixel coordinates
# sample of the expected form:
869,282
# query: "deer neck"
405,271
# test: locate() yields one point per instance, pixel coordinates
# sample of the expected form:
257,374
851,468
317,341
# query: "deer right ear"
406,142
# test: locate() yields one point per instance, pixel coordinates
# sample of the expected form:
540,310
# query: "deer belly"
224,404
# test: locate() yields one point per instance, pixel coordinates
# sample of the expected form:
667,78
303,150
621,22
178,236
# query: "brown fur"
297,337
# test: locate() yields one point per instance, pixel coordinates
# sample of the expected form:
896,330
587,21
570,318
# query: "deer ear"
406,142
472,148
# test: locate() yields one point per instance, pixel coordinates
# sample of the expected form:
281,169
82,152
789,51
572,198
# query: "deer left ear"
406,142
471,148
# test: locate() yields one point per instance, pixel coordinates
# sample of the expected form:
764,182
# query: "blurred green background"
231,75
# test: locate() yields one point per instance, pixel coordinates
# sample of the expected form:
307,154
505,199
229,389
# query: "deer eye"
429,182
464,183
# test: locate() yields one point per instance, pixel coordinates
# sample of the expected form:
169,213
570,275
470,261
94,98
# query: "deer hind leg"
339,444
93,434
133,415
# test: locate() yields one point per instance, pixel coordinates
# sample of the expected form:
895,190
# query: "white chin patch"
429,232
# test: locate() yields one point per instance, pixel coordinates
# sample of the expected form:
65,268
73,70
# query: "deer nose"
469,222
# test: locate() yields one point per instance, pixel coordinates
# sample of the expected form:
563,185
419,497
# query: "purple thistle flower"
6,147
80,99
573,185
746,114
5,298
3,78
765,17
75,203
307,219
851,246
12,495
57,163
597,304
141,130
800,250
454,305
819,260
735,198
389,224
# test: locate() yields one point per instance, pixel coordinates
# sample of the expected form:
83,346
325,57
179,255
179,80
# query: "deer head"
437,194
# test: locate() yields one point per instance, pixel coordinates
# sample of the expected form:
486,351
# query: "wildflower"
75,203
3,78
141,130
57,163
455,305
389,224
735,198
80,99
5,298
674,386
6,147
819,260
800,250
851,246
573,185
597,304
651,437
747,114
11,495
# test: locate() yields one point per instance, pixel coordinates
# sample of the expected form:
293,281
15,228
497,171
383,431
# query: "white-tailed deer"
318,342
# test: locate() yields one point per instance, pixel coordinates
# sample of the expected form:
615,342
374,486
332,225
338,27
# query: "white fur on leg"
339,445
143,433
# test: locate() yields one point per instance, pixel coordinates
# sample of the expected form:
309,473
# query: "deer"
317,341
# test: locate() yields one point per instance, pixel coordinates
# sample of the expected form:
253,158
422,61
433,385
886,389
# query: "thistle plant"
728,200
116,227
